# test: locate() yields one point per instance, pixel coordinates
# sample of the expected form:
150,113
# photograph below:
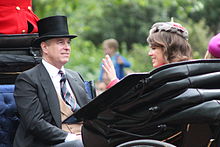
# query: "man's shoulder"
70,71
34,69
73,74
32,72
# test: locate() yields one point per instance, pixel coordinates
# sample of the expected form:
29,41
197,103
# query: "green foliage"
208,10
85,59
198,37
128,21
45,8
139,58
211,13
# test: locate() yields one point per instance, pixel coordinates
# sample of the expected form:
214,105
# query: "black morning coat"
38,107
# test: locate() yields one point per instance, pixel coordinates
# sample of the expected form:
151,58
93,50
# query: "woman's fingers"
105,65
109,68
109,61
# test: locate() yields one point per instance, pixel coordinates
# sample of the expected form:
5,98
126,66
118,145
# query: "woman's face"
157,56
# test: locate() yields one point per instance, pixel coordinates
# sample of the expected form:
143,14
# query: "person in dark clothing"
48,94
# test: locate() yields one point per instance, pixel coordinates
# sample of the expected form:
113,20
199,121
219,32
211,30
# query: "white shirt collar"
52,70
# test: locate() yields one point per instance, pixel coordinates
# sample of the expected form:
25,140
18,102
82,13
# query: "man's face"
56,51
108,51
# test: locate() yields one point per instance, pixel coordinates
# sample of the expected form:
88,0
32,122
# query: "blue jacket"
119,68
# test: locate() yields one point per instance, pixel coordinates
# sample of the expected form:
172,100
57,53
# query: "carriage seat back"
8,118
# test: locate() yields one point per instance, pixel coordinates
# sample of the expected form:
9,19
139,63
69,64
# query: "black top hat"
52,27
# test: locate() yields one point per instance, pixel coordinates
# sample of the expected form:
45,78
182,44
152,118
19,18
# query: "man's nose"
67,45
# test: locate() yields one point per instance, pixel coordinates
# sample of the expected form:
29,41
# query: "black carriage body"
163,104
17,55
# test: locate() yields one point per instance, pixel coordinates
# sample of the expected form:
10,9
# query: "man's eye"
60,42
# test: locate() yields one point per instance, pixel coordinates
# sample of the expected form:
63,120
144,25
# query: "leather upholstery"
17,55
17,40
159,105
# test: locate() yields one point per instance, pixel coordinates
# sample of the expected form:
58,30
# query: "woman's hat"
170,27
52,27
214,46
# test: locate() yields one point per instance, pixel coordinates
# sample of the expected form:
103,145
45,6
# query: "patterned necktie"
65,93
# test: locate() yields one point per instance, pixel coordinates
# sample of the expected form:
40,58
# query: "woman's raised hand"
109,69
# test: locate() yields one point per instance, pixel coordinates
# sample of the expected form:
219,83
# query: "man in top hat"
48,95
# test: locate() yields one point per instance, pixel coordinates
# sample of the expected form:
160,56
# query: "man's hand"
72,137
119,60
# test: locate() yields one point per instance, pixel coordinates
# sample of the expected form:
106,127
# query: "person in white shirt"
48,95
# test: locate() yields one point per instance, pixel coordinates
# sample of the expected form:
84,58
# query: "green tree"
209,11
128,21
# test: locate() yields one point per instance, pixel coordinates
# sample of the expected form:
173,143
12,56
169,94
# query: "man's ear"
44,46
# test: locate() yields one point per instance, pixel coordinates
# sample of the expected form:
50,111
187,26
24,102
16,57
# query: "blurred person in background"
110,47
213,51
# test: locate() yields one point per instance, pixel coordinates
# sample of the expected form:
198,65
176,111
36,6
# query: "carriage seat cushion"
8,113
8,119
